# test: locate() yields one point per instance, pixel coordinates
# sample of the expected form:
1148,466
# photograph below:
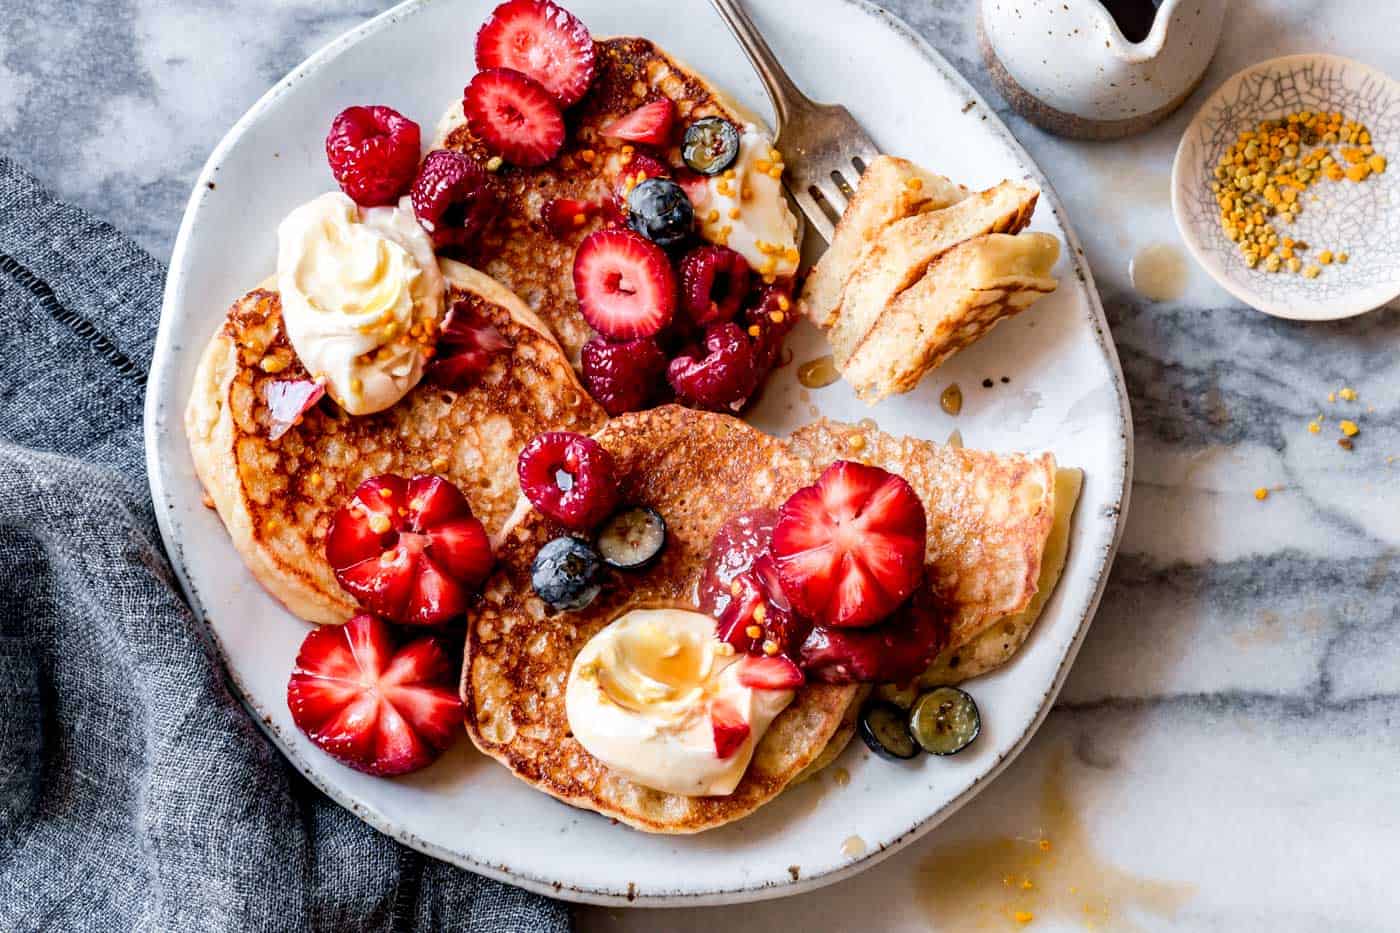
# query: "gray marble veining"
1229,728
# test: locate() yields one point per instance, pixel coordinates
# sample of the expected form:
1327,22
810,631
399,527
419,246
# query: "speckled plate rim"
1115,513
1353,303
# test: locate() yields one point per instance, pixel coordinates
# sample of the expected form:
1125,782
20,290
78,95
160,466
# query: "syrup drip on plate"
818,373
951,399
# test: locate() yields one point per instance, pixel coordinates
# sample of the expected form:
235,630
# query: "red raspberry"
569,478
768,320
623,376
454,198
373,152
723,379
714,280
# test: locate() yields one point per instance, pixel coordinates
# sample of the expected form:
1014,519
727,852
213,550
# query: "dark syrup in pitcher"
1134,17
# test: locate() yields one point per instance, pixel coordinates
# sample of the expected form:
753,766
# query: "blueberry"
659,210
566,574
633,538
711,145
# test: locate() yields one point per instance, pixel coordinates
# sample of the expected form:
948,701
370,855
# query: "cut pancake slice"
989,517
904,251
696,469
891,190
964,293
277,497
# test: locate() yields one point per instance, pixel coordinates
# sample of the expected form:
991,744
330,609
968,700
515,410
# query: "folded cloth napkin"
135,792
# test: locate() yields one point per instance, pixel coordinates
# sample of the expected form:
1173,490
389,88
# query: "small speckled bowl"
1362,220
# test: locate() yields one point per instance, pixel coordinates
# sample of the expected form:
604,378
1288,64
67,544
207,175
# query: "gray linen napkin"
135,793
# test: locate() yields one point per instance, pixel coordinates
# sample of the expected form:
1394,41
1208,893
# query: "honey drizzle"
1053,872
818,373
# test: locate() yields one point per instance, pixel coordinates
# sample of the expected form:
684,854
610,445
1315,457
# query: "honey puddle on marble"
1052,874
1159,272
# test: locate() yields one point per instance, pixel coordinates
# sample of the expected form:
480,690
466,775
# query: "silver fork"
825,149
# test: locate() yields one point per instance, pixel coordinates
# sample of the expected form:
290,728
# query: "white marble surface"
1223,757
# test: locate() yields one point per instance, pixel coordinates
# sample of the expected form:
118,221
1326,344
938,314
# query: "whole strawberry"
373,154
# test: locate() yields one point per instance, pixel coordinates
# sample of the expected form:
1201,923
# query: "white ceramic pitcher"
1066,66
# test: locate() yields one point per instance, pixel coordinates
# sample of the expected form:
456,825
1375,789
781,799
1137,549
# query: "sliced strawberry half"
287,400
514,116
764,673
850,549
465,347
409,549
650,123
731,731
543,40
624,283
377,709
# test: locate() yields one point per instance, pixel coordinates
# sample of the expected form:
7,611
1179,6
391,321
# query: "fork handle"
786,98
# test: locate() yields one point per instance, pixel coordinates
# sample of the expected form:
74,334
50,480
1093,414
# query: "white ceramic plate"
1361,219
1065,394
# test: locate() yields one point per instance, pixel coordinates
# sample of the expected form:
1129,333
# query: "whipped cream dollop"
362,298
642,698
745,208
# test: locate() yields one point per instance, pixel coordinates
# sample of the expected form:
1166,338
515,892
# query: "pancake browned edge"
520,250
277,497
697,469
989,517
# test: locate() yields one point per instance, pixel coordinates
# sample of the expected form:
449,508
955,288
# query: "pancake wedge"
962,295
890,190
696,469
521,251
904,250
277,497
989,517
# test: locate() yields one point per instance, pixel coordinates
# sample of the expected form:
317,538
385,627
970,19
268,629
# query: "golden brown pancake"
520,250
998,642
989,516
844,733
277,498
697,469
